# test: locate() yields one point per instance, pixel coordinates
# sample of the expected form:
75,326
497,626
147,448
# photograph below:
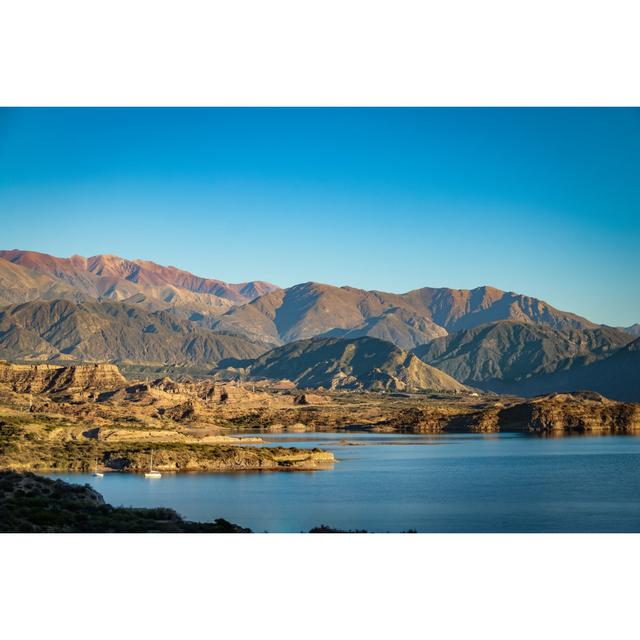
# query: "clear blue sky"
540,201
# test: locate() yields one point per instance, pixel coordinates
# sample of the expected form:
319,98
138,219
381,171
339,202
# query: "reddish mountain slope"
107,276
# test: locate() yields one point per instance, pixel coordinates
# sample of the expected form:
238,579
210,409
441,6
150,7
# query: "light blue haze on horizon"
539,201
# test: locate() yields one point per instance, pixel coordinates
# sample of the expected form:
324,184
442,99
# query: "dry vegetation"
32,504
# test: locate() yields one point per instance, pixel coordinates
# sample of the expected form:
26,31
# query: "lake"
429,483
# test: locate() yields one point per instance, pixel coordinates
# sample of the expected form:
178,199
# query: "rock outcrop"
309,398
45,378
204,393
558,414
583,412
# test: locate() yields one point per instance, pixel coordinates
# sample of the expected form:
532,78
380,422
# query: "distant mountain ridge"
109,276
409,319
634,329
616,377
20,284
499,353
261,311
106,308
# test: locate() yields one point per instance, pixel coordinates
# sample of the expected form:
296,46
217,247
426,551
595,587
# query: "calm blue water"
430,483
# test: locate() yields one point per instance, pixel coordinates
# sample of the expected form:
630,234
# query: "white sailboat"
151,473
96,473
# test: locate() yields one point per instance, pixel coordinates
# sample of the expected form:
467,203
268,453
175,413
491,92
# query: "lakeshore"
355,461
394,482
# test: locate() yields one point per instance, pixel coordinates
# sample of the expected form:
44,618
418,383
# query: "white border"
319,53
329,52
319,586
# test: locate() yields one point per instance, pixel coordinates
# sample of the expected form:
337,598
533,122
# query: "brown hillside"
358,363
112,331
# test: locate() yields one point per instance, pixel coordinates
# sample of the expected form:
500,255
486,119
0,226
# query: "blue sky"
539,201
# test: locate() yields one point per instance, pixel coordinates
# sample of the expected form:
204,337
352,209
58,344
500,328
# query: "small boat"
151,473
96,473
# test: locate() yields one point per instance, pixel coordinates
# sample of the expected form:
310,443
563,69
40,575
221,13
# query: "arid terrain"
55,418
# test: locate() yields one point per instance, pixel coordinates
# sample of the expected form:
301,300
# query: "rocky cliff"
583,412
557,414
44,378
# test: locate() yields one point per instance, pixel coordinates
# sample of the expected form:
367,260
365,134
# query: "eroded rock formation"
45,378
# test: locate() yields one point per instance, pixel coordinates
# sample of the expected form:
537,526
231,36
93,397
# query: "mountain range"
409,319
106,277
107,308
